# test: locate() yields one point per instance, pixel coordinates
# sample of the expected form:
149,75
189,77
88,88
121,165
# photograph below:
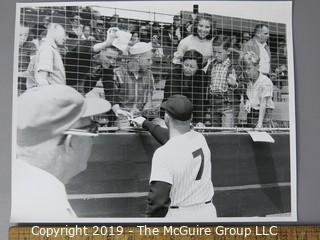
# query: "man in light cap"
180,181
54,141
134,81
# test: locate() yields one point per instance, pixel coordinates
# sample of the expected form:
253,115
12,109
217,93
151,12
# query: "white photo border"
286,19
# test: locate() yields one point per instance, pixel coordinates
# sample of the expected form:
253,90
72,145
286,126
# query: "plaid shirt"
219,74
133,92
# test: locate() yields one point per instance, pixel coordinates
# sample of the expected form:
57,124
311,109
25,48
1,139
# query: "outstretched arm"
262,112
107,43
159,133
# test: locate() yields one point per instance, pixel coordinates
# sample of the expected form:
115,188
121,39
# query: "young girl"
200,40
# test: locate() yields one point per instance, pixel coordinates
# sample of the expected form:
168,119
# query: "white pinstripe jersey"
185,162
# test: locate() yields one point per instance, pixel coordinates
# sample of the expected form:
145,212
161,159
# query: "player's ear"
166,119
67,142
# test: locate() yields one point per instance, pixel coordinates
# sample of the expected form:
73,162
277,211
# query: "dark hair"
176,17
84,26
211,22
223,41
134,32
193,55
145,37
226,43
258,27
36,31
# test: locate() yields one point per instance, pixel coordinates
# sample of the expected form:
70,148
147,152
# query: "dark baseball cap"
178,107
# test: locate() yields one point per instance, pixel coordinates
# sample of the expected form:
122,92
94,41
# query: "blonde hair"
251,57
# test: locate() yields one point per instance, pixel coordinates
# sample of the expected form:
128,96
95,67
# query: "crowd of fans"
230,79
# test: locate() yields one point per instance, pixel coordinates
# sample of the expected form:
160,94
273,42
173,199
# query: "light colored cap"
122,40
140,47
48,111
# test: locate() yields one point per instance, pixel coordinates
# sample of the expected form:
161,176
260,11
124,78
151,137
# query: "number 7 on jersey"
195,154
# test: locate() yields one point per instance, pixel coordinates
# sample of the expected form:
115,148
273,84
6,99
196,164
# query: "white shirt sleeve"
267,88
181,49
45,60
160,170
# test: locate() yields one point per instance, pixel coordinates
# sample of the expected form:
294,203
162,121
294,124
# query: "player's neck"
177,131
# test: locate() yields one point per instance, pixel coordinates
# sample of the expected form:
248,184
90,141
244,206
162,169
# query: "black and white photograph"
162,111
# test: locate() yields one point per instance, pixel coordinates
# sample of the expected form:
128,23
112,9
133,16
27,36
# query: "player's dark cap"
178,107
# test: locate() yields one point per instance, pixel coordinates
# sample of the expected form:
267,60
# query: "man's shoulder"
198,138
250,44
120,71
185,138
265,80
194,133
187,39
148,73
168,147
162,152
26,169
46,44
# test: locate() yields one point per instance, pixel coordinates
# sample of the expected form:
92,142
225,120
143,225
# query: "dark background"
306,37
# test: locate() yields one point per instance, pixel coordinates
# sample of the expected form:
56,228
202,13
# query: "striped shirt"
185,163
219,74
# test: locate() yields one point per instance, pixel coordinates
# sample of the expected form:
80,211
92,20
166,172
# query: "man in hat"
54,141
180,181
134,83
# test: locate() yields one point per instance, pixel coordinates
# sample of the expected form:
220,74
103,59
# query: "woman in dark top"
189,80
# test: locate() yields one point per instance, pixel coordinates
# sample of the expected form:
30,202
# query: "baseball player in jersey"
180,181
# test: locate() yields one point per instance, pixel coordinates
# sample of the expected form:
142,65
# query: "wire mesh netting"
199,55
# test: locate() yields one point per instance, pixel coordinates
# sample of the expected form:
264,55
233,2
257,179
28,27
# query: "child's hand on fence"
247,106
259,125
119,112
232,78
